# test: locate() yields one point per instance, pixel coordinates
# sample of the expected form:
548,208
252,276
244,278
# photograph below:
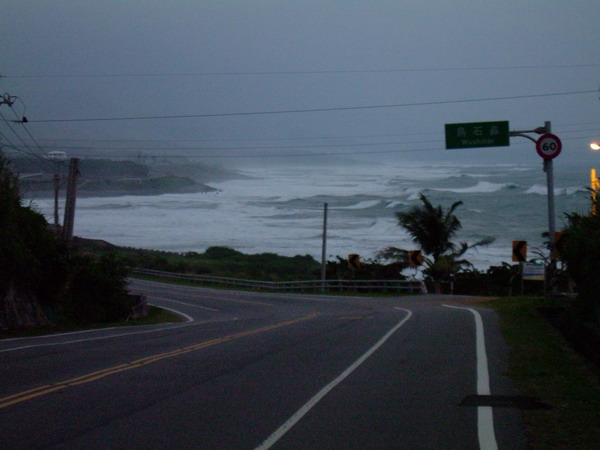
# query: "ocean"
280,209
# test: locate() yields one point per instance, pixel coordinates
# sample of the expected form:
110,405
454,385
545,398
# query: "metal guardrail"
410,286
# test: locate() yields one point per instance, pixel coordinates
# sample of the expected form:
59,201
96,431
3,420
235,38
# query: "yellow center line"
93,376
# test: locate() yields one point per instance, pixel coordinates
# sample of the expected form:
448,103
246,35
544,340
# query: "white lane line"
99,338
189,321
184,315
93,330
45,336
181,303
271,440
485,414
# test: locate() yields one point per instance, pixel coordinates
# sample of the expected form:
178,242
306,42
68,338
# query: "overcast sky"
125,59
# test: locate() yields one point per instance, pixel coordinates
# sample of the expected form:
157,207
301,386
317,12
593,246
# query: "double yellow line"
93,376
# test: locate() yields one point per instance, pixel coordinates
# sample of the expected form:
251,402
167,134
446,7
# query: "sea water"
280,209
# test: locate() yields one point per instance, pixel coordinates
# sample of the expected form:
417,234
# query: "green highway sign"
477,134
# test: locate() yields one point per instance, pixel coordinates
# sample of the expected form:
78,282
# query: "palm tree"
432,229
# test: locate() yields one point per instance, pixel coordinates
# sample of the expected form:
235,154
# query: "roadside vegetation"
43,281
433,229
543,366
155,316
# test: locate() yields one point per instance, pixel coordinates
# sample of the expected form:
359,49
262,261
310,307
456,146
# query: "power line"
296,138
306,72
17,135
355,144
438,148
36,158
563,129
311,110
296,155
279,147
22,121
283,155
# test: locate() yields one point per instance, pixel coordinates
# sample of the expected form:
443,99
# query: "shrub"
580,252
97,289
32,258
221,253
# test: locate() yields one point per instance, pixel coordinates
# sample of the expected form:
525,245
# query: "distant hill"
101,177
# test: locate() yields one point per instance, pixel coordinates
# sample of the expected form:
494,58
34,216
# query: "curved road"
257,370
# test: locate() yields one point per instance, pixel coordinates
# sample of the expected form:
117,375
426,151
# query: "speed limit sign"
548,146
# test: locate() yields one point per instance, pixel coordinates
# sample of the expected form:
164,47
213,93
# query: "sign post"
497,134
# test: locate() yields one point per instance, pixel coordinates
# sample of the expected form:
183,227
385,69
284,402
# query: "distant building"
57,156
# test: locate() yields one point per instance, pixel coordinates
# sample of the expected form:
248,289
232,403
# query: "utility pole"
324,248
56,188
70,201
57,165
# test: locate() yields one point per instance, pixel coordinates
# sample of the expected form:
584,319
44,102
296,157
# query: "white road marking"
271,440
44,336
485,414
190,322
181,303
99,338
187,318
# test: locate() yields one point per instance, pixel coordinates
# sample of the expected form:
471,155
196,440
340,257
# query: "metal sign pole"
549,169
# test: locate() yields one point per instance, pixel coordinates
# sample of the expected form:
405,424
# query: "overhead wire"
262,147
439,147
307,72
312,110
17,136
21,120
561,127
291,138
38,156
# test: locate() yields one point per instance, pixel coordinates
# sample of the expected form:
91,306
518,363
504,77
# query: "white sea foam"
394,204
483,187
280,210
362,205
539,189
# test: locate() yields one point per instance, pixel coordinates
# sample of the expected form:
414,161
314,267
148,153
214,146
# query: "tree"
432,228
32,259
40,279
580,250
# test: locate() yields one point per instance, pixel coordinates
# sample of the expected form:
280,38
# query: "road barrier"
409,286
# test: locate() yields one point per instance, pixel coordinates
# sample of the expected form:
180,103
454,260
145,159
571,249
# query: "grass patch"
155,316
542,365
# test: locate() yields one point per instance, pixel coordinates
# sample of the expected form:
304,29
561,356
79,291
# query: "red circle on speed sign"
548,146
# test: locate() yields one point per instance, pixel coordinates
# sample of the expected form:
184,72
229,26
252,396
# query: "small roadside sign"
519,251
548,146
415,258
533,272
353,261
558,244
477,134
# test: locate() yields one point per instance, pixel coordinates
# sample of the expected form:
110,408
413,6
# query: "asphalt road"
252,370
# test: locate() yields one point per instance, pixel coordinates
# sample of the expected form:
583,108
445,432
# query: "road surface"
259,370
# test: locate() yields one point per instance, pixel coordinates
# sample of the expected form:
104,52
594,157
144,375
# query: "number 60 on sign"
548,146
